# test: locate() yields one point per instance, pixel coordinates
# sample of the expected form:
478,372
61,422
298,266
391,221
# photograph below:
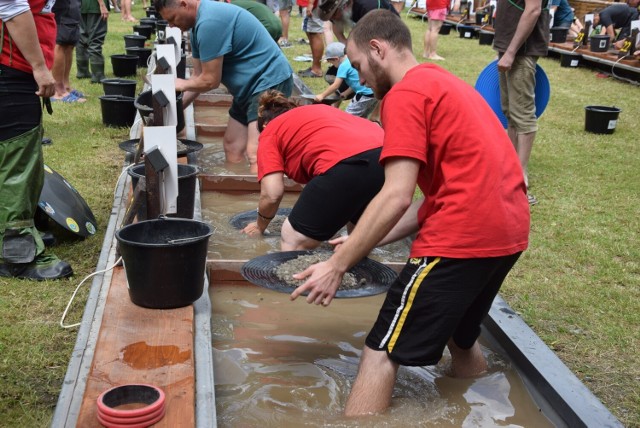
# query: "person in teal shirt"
230,47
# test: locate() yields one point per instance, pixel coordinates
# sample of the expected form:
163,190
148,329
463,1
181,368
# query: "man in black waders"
28,41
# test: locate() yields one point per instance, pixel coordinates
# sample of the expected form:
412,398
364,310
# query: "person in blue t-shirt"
230,47
563,17
363,102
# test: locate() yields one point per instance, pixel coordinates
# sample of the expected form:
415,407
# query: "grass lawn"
578,285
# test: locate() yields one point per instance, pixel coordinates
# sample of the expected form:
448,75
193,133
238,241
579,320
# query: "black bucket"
165,261
161,30
143,30
558,34
181,68
144,104
150,22
143,55
599,43
150,12
601,119
485,37
123,87
570,59
124,65
445,29
134,41
187,176
117,111
479,17
467,31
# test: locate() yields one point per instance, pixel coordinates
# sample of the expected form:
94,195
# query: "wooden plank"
139,345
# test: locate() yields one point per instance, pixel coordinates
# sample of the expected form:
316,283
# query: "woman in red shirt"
334,154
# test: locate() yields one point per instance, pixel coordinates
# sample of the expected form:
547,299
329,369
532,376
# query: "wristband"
263,217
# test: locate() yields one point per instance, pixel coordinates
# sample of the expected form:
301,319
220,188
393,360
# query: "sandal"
308,73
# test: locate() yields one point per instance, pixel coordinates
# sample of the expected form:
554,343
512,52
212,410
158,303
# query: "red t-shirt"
308,140
475,197
437,4
46,28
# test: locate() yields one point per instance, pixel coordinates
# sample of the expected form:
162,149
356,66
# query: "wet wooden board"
139,345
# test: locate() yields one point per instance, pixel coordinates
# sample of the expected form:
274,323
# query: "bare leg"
431,40
398,6
466,362
252,146
523,143
328,32
316,42
58,71
291,240
285,17
371,391
235,141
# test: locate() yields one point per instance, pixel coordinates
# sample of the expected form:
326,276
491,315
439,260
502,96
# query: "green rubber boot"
97,72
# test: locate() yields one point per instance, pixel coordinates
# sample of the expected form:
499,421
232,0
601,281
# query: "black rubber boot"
44,267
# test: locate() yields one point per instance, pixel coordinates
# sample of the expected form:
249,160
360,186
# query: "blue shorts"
246,111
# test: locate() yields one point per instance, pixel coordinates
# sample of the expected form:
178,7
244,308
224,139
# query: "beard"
381,84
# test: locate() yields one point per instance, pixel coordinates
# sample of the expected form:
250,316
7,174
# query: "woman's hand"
252,230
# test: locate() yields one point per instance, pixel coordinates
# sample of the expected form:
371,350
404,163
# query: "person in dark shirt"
344,14
617,17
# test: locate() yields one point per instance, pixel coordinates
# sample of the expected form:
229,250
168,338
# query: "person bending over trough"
333,153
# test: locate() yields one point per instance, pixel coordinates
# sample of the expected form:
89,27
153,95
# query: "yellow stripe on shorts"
412,294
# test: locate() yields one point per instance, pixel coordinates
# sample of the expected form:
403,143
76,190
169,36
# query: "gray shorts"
285,5
313,24
517,94
362,105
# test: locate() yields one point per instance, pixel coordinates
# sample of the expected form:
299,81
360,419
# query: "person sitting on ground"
307,143
617,16
344,14
363,102
230,46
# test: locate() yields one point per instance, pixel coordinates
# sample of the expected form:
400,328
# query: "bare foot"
466,363
435,57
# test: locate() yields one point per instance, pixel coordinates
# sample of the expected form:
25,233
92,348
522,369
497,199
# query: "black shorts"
435,299
337,197
67,14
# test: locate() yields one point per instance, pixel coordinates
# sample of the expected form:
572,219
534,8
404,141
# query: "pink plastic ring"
121,395
134,420
145,424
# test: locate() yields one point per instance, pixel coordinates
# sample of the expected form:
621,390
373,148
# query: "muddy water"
228,243
212,161
283,364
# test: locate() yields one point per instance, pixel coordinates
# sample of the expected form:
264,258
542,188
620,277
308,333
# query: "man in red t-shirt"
472,223
28,41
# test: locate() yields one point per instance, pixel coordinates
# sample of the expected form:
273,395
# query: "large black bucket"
123,87
558,34
165,260
601,119
117,111
187,176
134,40
599,43
144,104
570,59
445,29
485,37
143,30
142,53
124,65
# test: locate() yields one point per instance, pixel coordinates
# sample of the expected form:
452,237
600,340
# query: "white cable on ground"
620,77
64,314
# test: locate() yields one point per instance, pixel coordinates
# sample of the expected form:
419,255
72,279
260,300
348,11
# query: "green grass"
577,286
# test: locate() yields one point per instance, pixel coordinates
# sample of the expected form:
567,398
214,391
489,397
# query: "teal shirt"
351,76
253,62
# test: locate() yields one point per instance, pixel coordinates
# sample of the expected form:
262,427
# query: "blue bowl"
488,84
